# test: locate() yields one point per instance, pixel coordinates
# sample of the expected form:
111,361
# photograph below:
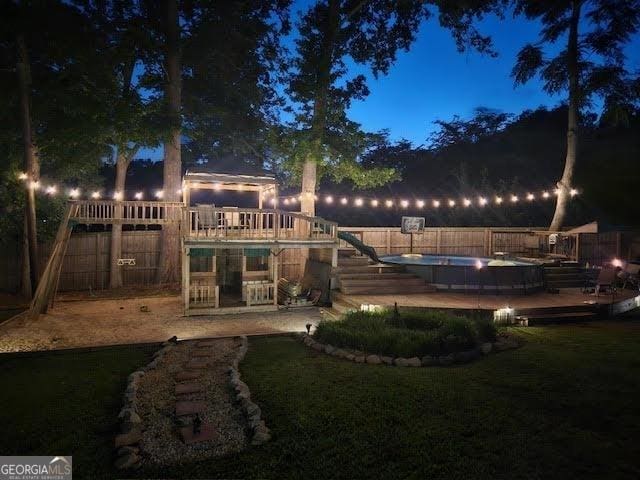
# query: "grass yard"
563,406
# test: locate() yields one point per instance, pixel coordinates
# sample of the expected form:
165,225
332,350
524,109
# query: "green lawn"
563,406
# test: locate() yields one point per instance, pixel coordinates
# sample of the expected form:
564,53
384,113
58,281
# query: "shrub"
406,335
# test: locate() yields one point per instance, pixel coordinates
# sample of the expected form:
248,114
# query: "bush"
406,335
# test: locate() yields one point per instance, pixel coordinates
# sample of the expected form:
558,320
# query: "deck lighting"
74,192
138,196
545,194
420,203
95,195
482,201
452,203
389,203
514,198
344,200
467,202
159,194
329,199
498,200
436,203
404,203
358,202
374,203
479,264
531,197
616,262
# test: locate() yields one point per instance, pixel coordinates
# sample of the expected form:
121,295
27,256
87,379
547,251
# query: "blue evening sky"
434,81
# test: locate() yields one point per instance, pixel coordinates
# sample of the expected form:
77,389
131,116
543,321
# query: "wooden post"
186,282
275,278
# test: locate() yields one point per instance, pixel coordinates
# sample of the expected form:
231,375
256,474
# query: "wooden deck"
566,298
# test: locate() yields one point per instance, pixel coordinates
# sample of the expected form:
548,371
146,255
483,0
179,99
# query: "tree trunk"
115,252
565,183
31,164
170,241
25,282
319,120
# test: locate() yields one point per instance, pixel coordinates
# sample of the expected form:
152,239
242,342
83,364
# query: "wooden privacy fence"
86,263
453,240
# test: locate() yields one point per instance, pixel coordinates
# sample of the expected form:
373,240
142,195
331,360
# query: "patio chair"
606,280
631,275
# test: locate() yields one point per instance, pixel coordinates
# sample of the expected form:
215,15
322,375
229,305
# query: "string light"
482,201
573,192
286,201
374,203
436,203
34,185
22,176
389,203
498,200
344,200
117,196
51,190
74,192
452,203
545,194
420,203
95,195
466,202
531,197
359,202
514,198
159,194
138,196
329,199
179,191
404,203
556,191
294,200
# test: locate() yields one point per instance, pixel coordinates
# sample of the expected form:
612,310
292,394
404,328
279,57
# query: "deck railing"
207,222
127,212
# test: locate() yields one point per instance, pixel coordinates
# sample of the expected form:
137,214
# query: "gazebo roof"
195,176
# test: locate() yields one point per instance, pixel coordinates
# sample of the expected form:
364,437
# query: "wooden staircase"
360,276
568,276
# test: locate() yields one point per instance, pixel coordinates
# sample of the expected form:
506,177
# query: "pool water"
457,260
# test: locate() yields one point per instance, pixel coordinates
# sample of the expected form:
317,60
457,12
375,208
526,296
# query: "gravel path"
162,443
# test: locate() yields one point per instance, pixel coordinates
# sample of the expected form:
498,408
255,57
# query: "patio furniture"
606,280
630,274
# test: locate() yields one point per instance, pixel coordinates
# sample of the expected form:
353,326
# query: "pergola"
261,184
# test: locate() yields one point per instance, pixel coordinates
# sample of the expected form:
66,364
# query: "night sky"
434,81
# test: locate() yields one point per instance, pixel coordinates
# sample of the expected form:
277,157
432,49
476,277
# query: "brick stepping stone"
197,364
207,432
187,407
185,376
186,388
206,343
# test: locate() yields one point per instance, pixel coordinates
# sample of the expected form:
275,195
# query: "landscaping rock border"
260,433
127,442
503,342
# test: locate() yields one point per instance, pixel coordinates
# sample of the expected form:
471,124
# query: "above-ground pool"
473,274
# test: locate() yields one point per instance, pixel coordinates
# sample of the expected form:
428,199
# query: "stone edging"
127,442
502,343
259,431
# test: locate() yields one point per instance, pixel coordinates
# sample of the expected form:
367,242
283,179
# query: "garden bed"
409,338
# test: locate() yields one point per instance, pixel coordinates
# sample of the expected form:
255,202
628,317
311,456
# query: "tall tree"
172,176
332,32
591,64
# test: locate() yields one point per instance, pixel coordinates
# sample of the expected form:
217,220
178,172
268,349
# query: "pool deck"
568,297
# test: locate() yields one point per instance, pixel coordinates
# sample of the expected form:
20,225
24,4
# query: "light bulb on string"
389,203
436,203
482,201
466,202
344,200
329,199
95,195
374,203
514,198
358,202
498,200
452,203
531,197
404,203
545,194
420,203
138,196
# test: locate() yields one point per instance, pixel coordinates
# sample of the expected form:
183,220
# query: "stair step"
373,282
559,318
387,289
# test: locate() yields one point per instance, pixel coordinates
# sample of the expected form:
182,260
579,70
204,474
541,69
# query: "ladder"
48,284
